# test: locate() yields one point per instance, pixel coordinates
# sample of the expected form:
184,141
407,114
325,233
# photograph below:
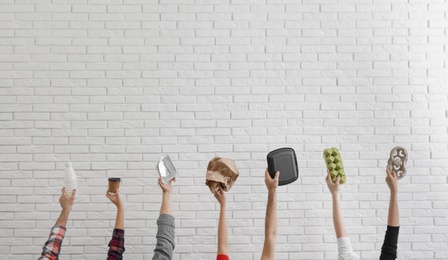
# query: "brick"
113,85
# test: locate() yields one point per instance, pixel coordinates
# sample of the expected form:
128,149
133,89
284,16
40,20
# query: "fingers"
394,175
160,182
112,196
219,194
389,172
109,195
277,175
268,176
329,180
73,193
64,192
171,181
338,180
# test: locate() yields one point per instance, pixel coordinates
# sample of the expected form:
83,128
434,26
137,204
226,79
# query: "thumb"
394,174
277,175
389,174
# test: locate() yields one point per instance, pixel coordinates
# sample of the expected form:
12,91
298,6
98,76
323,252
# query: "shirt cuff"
58,230
166,219
61,227
118,232
345,250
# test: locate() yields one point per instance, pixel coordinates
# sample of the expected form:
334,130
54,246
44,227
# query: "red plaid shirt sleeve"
116,245
52,247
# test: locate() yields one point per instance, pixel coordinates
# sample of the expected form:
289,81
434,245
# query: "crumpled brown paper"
221,172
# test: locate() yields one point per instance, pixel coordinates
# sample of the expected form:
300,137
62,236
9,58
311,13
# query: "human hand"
271,184
168,187
115,198
391,180
332,186
66,201
220,196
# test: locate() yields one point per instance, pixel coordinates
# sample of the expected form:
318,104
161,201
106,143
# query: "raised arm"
345,250
338,219
270,227
165,231
165,208
115,198
66,203
394,216
223,240
116,244
52,247
389,248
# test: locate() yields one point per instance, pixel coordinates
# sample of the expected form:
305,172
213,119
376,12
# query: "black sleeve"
389,249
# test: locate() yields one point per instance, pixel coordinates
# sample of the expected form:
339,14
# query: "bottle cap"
68,164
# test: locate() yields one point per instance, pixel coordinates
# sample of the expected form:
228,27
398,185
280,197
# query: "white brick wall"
113,84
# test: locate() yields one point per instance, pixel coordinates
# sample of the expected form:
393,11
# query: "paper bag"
221,172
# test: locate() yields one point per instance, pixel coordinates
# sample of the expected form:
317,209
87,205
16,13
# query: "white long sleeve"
345,250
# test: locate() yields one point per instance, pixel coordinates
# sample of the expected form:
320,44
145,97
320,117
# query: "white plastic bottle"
70,179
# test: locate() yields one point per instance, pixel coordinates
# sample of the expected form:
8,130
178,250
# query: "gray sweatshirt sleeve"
165,238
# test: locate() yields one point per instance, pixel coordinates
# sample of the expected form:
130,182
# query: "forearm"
338,220
63,217
270,229
165,208
394,216
116,244
271,215
223,243
119,220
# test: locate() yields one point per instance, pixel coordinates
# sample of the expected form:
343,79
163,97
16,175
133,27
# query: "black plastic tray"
283,160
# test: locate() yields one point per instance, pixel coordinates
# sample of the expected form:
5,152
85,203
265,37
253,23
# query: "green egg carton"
334,164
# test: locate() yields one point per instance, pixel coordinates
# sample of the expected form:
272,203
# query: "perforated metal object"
397,161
